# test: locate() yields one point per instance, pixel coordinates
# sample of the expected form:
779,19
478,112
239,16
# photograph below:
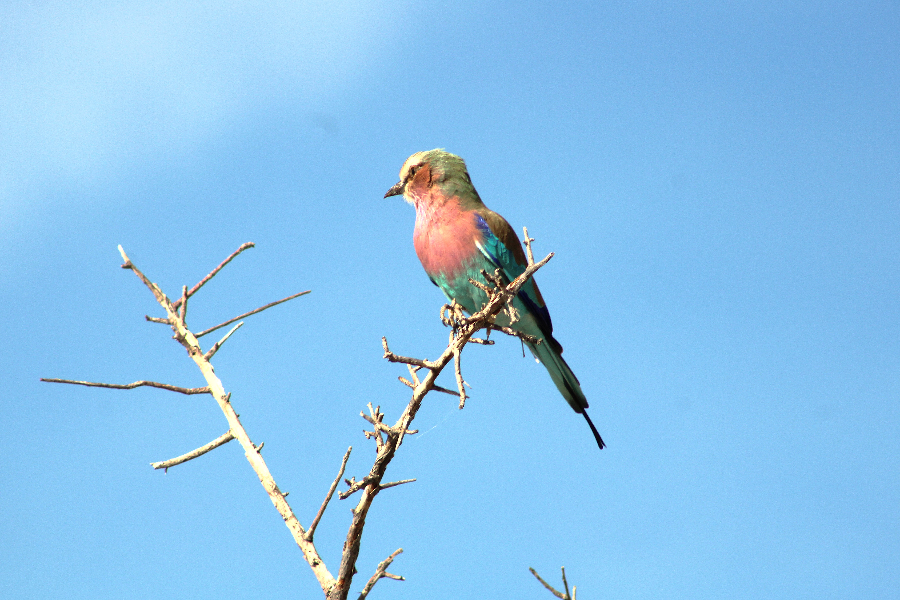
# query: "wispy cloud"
85,86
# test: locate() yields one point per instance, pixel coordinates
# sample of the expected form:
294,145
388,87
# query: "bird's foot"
452,315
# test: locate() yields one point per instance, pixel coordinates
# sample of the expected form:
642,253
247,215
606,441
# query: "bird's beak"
395,190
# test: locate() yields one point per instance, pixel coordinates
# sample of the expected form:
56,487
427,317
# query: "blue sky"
720,187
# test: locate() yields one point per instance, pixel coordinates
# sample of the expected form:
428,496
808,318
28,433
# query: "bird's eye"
412,171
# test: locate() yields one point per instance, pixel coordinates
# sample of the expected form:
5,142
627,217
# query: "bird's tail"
564,379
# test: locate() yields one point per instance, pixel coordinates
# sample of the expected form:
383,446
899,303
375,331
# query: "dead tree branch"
176,316
388,438
315,523
561,595
219,441
215,348
247,314
187,339
202,282
380,572
131,386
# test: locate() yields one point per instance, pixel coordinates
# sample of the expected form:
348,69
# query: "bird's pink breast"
445,239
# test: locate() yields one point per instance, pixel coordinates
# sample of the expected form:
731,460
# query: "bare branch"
391,357
459,378
315,523
436,388
380,426
355,486
219,441
212,273
380,572
212,351
561,595
385,486
187,339
566,583
513,333
184,299
527,242
375,417
413,370
252,312
131,386
157,293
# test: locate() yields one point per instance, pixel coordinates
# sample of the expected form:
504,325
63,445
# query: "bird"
457,237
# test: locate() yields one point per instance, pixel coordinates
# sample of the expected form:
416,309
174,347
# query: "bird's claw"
452,316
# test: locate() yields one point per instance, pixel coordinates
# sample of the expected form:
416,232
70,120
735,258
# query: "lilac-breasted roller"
457,236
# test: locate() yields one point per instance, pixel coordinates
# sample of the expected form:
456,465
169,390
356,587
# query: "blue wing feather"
501,257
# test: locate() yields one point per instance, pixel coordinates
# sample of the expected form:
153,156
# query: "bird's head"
433,168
